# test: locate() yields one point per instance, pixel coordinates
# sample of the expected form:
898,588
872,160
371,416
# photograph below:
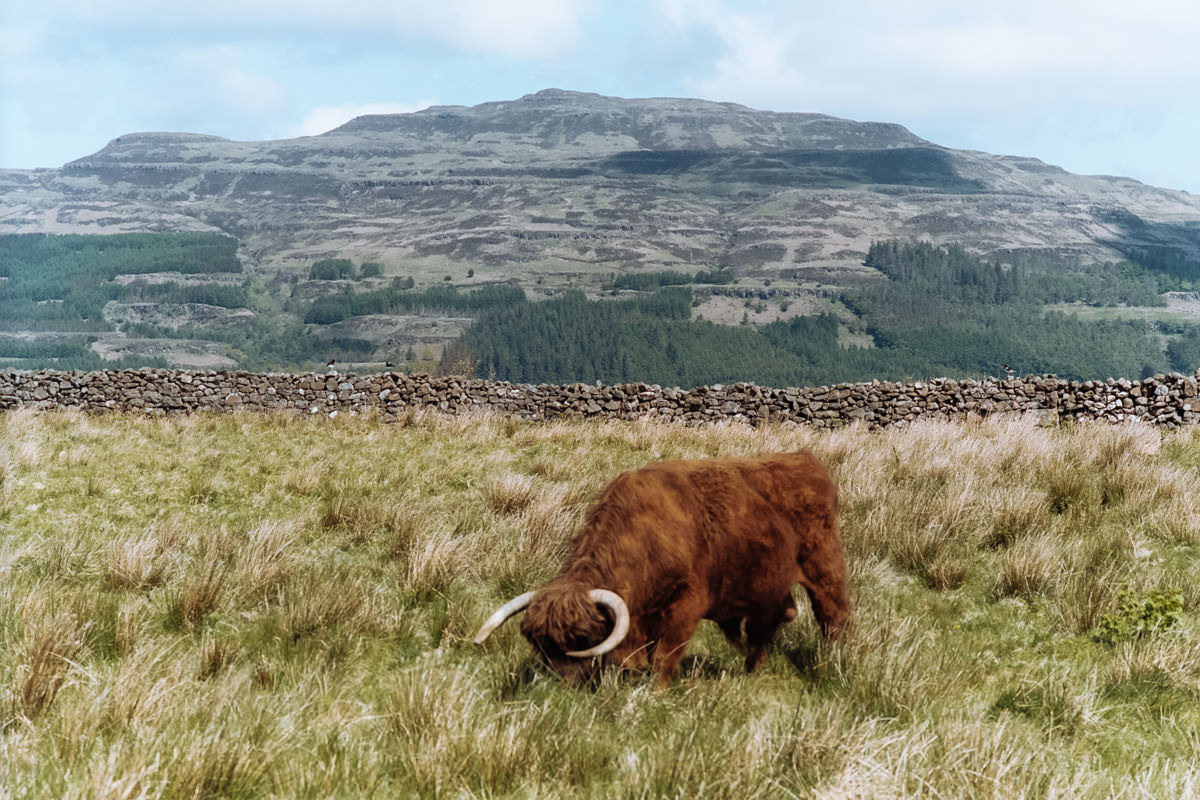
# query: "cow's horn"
612,601
502,613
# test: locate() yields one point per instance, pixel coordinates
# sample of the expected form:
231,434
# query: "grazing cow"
675,542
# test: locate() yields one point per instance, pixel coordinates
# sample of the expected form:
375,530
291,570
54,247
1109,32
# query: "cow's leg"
668,652
676,629
732,628
761,627
831,609
824,578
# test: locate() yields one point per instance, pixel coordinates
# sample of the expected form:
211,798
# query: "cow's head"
570,627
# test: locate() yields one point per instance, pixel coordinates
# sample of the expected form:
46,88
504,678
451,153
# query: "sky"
1094,86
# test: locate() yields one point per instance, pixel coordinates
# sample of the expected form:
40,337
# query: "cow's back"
735,526
763,518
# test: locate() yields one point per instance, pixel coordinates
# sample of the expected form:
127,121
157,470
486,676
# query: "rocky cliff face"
562,187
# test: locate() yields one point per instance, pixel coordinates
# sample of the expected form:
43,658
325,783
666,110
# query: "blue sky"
1095,87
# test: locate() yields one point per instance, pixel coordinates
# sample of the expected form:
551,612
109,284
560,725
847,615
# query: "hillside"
559,190
569,183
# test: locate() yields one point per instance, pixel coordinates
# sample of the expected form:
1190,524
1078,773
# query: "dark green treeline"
940,312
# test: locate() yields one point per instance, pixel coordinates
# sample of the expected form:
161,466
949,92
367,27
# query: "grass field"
252,606
1181,308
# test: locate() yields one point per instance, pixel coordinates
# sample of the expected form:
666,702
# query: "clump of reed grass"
1032,567
134,563
198,596
53,644
509,493
265,559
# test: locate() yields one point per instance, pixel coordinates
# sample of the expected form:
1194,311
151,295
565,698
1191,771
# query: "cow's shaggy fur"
681,541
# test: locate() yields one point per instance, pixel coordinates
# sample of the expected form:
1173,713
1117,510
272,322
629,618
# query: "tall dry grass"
267,606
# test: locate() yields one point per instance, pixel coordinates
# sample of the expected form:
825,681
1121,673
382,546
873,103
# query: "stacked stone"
1169,400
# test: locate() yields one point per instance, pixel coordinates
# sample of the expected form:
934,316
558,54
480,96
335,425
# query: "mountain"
563,189
569,183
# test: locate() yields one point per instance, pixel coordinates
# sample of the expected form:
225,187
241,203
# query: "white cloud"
250,91
223,76
517,28
527,29
326,118
18,42
918,56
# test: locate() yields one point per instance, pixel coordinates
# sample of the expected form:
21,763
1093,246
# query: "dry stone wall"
1164,399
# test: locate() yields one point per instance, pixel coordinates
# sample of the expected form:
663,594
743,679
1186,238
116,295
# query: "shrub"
1136,618
331,269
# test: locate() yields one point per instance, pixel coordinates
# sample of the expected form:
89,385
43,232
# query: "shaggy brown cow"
679,541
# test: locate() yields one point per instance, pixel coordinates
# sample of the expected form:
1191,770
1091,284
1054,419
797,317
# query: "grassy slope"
260,606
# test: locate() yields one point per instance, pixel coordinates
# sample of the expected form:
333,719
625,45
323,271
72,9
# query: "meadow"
266,606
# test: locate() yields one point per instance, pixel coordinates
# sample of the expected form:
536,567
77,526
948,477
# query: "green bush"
1137,618
331,269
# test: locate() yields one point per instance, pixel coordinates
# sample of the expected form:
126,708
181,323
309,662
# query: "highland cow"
675,542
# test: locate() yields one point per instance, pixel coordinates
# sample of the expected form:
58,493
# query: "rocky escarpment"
1169,400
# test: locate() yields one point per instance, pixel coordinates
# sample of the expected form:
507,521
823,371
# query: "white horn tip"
504,612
